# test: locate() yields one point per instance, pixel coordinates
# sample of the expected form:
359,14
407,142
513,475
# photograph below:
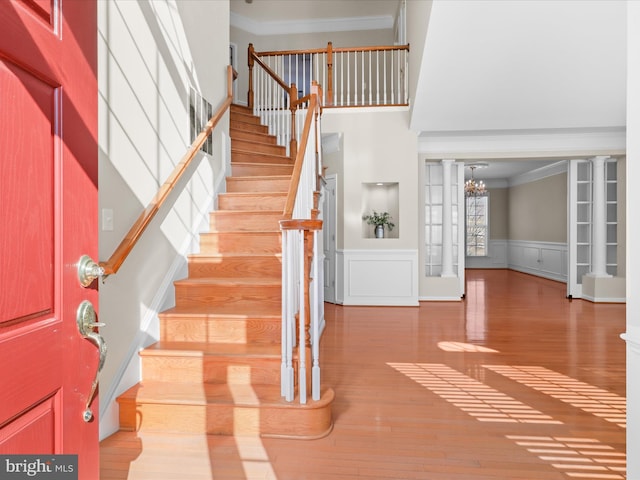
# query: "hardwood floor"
515,382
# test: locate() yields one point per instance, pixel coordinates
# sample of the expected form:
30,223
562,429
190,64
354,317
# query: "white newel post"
599,242
447,221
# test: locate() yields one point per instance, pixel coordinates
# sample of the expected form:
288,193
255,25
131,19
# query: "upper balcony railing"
351,77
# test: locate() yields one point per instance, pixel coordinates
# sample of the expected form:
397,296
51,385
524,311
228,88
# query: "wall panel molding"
378,277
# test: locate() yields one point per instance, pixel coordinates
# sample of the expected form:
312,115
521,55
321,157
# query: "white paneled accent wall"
544,259
378,277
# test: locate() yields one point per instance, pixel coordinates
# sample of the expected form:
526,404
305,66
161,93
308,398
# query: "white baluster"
362,81
315,369
377,70
370,78
302,354
342,78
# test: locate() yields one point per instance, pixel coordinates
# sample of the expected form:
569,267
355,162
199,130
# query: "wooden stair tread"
261,154
259,178
225,311
238,131
257,396
247,212
218,256
290,164
244,281
253,194
201,349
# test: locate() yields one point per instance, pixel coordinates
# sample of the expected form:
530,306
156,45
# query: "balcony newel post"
250,63
330,73
293,106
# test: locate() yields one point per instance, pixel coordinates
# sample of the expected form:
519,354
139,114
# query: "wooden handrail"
297,167
334,49
297,224
271,73
132,237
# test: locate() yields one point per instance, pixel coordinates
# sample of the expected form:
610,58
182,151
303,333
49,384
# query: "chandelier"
473,188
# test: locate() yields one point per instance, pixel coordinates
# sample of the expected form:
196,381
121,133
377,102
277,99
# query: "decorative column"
447,222
599,220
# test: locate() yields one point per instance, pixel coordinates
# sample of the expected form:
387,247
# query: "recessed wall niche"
381,197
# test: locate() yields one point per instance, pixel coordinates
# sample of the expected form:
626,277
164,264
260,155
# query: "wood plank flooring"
515,382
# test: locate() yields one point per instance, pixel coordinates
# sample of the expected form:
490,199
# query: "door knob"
88,270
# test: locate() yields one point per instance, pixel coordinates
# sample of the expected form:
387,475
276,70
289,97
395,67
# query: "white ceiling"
290,10
499,66
522,65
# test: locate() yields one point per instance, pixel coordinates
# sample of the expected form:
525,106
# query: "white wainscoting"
544,259
496,258
377,277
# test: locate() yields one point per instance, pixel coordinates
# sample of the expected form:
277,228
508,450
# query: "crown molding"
547,143
380,22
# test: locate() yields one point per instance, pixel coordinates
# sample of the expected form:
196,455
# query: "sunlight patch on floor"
576,457
464,347
473,397
254,457
591,399
246,421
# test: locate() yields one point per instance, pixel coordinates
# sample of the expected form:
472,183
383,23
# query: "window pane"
584,233
436,235
583,212
584,171
436,174
434,255
583,254
477,225
584,192
612,233
436,194
436,215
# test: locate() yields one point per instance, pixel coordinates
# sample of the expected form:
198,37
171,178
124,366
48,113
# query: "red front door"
48,220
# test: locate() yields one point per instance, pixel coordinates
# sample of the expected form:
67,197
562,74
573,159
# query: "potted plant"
379,220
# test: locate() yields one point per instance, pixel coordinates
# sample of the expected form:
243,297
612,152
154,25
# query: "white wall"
417,15
377,147
633,238
149,54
